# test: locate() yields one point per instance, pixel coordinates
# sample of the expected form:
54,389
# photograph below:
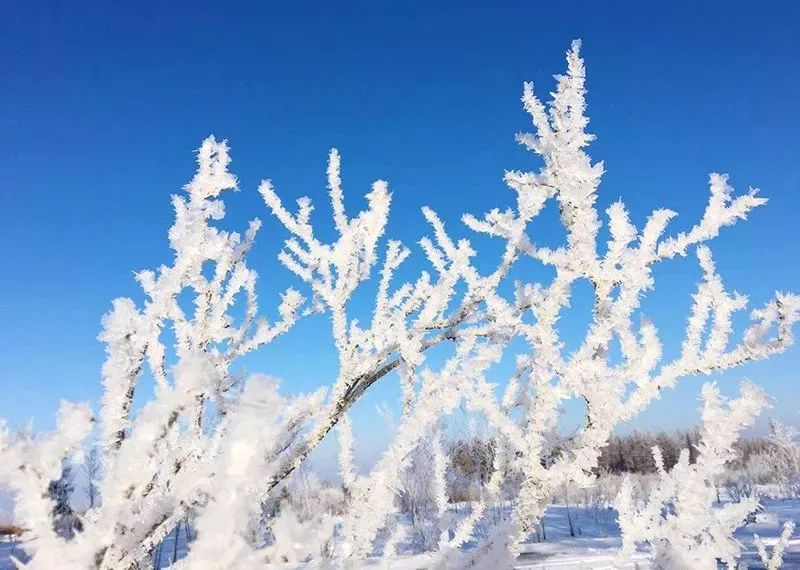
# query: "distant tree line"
471,459
632,453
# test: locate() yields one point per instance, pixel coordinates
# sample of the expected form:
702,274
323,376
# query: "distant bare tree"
91,468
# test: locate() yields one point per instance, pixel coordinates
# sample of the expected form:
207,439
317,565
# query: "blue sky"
102,104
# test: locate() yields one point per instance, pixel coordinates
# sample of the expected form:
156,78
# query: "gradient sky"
102,104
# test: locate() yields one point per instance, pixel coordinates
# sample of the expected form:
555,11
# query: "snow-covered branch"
216,446
679,520
28,464
775,561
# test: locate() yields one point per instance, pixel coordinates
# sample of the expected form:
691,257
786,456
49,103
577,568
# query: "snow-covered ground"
597,540
594,545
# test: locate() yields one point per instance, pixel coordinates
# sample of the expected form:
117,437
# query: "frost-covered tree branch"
28,465
774,561
218,447
614,388
679,520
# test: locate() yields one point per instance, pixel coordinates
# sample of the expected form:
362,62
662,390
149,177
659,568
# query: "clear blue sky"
102,103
